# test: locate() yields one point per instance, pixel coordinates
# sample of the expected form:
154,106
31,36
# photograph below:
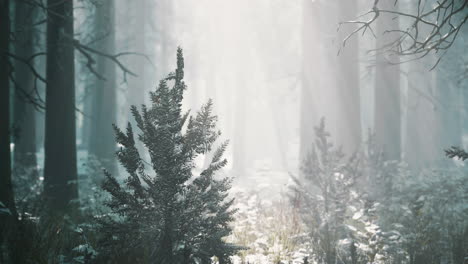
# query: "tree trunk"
433,117
166,13
41,66
451,86
349,97
102,142
387,112
279,120
311,51
6,188
137,85
24,113
60,169
421,112
239,146
450,116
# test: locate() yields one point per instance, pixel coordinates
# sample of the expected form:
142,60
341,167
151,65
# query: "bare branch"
32,96
88,51
429,31
29,63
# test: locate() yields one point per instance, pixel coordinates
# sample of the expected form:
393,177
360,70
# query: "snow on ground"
266,222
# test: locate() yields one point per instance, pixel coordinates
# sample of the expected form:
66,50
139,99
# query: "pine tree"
171,215
325,193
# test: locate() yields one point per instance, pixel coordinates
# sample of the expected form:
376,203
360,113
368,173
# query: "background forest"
247,131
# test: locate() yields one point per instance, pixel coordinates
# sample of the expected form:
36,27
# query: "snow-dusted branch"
430,29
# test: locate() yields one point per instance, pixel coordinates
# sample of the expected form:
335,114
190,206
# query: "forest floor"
266,222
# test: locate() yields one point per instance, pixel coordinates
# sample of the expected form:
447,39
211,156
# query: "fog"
275,68
346,123
246,56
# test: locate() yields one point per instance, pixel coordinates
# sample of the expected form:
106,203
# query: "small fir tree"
169,215
325,192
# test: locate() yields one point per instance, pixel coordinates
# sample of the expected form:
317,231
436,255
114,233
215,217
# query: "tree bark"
24,112
60,169
102,142
6,188
387,102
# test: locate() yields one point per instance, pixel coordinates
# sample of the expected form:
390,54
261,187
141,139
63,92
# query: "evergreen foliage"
456,152
366,209
169,215
325,192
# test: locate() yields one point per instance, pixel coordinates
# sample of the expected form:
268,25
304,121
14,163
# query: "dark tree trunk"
6,188
102,143
387,113
6,191
85,134
464,110
60,169
24,112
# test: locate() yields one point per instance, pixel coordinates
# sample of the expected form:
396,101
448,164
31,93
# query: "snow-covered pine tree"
169,215
325,192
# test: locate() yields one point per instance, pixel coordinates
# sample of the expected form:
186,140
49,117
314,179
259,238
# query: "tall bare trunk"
102,143
421,113
349,116
24,112
387,112
60,169
310,75
6,188
239,146
165,21
424,108
137,85
451,83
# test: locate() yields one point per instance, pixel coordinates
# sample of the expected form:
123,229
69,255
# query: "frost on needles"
163,213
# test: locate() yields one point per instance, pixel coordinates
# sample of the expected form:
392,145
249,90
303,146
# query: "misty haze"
234,131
